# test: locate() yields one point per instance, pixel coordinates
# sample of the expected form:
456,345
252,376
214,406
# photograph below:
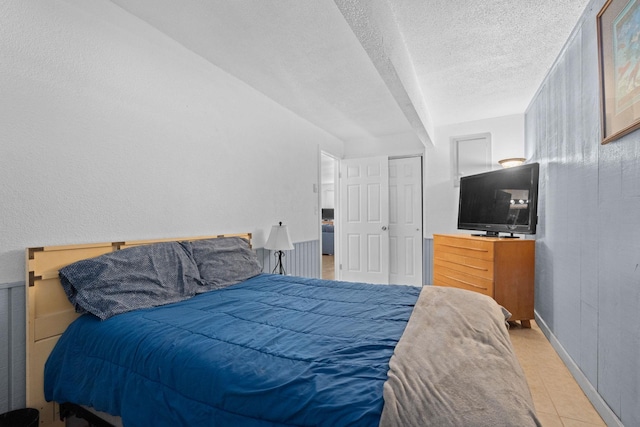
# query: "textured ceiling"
479,59
371,69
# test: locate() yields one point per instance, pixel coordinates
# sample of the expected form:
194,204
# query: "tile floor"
558,399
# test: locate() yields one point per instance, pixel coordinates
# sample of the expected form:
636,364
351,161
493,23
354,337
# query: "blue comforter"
272,350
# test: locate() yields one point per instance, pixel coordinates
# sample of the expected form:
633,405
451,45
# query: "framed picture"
619,58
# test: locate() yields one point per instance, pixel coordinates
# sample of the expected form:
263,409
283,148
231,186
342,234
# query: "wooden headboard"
49,312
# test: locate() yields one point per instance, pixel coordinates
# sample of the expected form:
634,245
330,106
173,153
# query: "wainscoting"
13,339
427,261
303,260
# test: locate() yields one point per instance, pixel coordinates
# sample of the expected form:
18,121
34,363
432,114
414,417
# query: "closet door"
405,221
364,215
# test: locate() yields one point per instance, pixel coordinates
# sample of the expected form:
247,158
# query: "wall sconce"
279,241
514,161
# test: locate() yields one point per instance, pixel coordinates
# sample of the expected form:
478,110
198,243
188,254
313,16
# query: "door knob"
384,228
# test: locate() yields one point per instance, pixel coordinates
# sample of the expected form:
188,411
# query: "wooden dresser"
501,268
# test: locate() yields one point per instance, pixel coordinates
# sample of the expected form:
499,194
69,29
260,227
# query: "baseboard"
608,416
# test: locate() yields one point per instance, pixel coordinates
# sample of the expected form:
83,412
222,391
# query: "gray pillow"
129,279
224,261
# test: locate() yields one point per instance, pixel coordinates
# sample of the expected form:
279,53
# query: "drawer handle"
466,248
465,282
463,265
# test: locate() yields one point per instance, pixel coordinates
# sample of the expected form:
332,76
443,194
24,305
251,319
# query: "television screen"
327,214
504,200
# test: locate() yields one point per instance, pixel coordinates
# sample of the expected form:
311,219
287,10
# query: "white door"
405,221
364,213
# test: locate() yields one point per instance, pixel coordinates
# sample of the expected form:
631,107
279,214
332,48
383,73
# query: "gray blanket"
455,366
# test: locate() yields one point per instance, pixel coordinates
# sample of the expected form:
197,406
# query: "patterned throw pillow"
224,261
133,278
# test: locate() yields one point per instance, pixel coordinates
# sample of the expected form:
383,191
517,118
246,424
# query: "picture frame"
618,29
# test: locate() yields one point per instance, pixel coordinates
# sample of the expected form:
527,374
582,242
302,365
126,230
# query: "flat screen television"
500,201
327,214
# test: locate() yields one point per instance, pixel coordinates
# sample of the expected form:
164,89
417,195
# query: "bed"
267,350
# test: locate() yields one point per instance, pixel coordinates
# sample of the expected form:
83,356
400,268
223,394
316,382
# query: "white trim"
608,416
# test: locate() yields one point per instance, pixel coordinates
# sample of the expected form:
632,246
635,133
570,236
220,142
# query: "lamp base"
279,268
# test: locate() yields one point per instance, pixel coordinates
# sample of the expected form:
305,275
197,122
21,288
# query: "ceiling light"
514,161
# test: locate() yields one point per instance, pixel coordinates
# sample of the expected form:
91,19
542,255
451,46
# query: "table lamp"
279,241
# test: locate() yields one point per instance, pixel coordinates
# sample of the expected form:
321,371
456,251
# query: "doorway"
329,168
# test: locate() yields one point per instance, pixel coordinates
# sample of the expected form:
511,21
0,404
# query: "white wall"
328,196
441,197
110,130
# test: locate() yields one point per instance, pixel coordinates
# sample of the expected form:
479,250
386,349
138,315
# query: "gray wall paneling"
12,350
427,262
588,242
303,260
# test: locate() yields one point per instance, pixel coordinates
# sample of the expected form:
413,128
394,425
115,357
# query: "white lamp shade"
279,239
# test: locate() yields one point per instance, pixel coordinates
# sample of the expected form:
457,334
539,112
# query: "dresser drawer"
443,276
469,248
476,267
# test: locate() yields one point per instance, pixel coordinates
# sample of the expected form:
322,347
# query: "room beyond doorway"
329,168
